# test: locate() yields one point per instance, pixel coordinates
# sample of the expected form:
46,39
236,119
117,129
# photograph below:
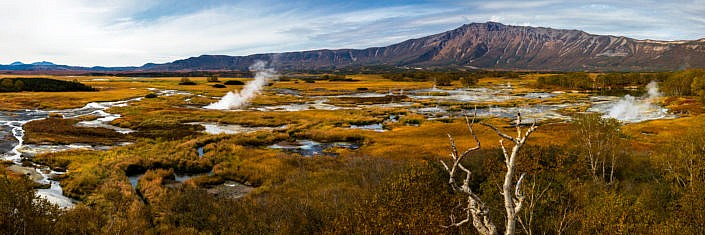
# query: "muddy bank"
310,148
30,172
230,190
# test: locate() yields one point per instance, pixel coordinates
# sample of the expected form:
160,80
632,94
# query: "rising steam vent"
238,100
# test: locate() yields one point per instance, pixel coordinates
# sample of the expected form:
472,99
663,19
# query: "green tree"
19,85
680,83
698,87
682,162
7,83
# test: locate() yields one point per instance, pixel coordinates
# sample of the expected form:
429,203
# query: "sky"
135,32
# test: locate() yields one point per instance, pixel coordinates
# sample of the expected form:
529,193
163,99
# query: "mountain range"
488,45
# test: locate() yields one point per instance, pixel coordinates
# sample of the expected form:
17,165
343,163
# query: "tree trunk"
509,205
513,199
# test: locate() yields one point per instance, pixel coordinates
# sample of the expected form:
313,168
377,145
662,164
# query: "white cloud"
114,33
87,34
505,5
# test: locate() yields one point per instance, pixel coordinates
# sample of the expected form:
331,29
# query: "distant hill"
43,63
45,66
479,45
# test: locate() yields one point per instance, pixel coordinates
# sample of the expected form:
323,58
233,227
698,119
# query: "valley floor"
341,156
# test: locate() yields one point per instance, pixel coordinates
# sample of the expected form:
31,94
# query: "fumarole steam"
238,100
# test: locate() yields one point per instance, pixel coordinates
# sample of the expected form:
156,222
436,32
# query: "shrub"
219,86
150,96
468,81
337,78
212,79
234,82
22,211
443,81
186,81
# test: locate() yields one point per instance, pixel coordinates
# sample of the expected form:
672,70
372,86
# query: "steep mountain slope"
479,45
484,45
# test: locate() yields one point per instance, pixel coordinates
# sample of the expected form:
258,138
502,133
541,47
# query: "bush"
234,82
337,78
186,81
150,96
219,86
212,79
22,211
468,81
443,81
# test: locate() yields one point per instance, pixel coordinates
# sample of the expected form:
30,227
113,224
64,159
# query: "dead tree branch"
513,199
476,210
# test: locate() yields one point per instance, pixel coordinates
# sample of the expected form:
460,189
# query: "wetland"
153,142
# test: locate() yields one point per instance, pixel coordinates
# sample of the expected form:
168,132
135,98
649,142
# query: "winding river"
12,147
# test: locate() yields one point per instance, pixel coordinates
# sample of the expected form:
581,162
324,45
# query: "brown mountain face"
483,45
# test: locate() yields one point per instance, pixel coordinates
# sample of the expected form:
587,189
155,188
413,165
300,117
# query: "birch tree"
598,142
476,210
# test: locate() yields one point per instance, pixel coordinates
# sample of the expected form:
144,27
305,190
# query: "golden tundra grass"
245,158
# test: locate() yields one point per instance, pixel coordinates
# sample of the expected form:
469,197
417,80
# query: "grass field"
165,143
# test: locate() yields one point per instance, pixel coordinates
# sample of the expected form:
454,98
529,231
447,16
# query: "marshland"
297,153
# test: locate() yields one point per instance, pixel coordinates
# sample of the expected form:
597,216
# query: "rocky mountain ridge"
478,46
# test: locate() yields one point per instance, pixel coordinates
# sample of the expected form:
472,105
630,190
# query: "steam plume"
236,100
631,109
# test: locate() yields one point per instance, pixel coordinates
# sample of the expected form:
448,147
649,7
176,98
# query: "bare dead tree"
513,198
535,194
567,218
477,211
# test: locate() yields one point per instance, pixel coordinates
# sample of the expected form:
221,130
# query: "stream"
12,147
13,121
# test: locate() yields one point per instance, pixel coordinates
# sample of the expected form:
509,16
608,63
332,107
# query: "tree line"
584,81
689,82
41,84
445,78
